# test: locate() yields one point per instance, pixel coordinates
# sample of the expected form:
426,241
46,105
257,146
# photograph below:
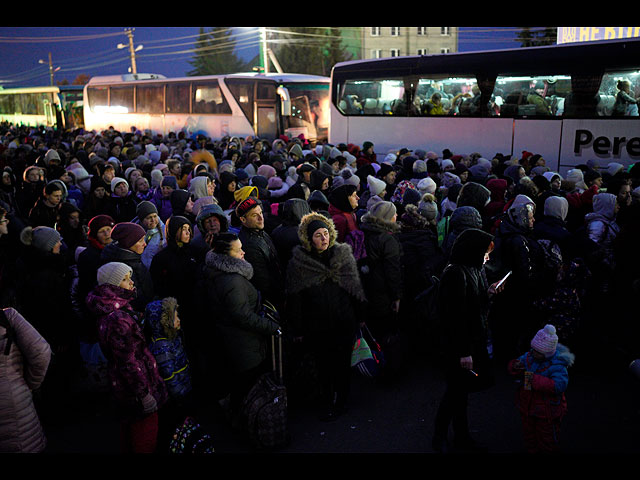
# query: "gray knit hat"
113,273
376,186
43,238
383,210
144,209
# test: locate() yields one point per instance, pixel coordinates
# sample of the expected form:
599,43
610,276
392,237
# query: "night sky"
93,50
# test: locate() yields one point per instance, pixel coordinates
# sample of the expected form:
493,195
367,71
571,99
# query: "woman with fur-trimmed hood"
325,301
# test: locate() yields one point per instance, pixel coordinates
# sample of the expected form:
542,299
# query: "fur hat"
545,341
127,234
113,273
308,222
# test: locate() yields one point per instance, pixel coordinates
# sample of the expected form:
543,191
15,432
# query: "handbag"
367,357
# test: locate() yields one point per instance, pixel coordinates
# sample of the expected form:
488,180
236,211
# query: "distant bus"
242,104
31,106
557,101
71,104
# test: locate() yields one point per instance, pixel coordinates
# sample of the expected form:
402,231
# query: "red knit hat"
99,221
127,234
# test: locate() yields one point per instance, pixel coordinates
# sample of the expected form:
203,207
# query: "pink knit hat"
545,341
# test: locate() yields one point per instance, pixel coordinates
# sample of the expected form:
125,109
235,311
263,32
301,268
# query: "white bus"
31,106
488,103
242,104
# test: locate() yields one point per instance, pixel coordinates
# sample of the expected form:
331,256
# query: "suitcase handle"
277,370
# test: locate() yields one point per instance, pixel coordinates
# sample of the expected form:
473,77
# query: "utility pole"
50,68
132,50
134,70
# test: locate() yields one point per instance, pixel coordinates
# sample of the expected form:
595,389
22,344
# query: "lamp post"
51,69
132,50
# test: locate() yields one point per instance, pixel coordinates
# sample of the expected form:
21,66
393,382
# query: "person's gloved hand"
149,404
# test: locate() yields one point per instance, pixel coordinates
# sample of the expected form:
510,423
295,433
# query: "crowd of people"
147,262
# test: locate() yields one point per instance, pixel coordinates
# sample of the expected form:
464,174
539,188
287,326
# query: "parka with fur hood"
325,297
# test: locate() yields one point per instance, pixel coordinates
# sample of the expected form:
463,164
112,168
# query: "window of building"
445,31
445,50
422,31
423,51
395,52
375,31
395,31
377,53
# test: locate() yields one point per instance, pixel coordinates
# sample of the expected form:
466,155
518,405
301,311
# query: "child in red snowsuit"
541,395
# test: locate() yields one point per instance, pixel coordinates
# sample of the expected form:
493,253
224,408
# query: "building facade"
382,42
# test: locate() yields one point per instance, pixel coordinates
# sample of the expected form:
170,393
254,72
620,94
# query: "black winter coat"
261,253
232,306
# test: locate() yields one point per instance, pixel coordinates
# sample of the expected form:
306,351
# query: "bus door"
49,112
266,123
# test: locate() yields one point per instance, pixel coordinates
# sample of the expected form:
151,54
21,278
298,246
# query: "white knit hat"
113,273
545,341
376,186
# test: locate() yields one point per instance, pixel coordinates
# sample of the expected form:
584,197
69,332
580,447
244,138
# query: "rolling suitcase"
265,406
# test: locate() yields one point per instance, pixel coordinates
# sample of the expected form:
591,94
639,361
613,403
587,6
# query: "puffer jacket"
132,368
22,370
232,306
546,399
167,347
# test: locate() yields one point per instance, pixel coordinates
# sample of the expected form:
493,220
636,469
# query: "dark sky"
93,50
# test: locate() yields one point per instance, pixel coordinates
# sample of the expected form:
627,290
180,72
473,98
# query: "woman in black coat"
463,304
325,301
231,314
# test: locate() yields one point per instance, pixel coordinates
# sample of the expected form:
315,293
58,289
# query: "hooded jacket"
325,297
341,211
167,346
464,303
285,236
132,369
601,223
462,218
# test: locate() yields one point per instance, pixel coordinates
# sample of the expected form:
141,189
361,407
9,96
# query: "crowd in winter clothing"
154,256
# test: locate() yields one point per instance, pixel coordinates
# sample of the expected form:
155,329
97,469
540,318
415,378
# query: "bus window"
242,91
150,99
618,94
121,100
531,96
178,97
208,98
373,97
7,104
446,95
98,98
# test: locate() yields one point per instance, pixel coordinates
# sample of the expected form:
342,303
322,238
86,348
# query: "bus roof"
569,56
278,77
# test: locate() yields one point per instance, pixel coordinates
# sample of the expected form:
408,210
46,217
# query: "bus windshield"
309,108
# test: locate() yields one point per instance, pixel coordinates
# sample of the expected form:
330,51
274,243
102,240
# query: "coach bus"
557,101
31,106
242,104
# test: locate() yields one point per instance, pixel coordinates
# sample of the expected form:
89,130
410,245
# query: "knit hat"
127,234
245,192
545,341
275,183
97,222
246,205
383,210
42,238
117,180
113,273
169,181
427,185
376,186
315,225
428,207
144,209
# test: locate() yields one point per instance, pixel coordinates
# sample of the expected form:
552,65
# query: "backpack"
443,229
191,438
355,238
